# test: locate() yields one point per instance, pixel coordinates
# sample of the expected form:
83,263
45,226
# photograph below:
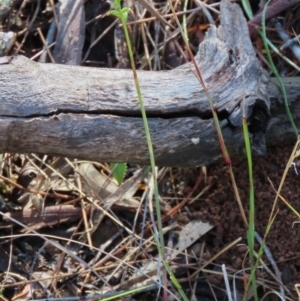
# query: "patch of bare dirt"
219,206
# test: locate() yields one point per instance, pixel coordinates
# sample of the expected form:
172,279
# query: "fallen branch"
93,113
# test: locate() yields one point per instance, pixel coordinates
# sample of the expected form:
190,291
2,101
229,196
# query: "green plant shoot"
118,171
122,14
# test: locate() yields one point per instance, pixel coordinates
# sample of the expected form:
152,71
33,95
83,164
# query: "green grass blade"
274,70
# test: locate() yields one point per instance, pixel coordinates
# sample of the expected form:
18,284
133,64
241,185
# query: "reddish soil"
219,206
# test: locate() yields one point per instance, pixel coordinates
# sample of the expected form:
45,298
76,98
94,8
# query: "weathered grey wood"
93,113
279,127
